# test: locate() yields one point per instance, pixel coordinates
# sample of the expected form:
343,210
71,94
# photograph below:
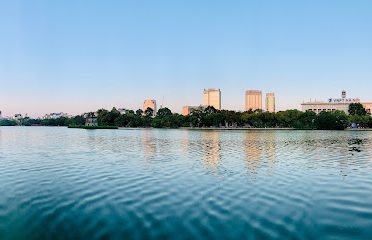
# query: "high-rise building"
150,103
187,110
270,102
253,100
212,97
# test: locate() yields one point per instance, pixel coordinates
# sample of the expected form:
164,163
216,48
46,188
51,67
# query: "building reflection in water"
260,150
185,142
270,150
355,145
149,144
211,148
352,151
333,150
253,151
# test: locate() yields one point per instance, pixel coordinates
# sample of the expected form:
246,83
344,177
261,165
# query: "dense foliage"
62,121
211,117
331,120
6,122
357,109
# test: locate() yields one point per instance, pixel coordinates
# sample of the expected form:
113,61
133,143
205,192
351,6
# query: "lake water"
182,184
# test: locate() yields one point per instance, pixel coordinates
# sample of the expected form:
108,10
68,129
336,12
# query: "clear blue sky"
77,56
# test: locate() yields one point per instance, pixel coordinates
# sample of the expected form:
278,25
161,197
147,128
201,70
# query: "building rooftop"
253,91
211,89
322,102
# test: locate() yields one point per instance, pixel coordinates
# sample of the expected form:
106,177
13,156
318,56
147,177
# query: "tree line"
61,121
211,117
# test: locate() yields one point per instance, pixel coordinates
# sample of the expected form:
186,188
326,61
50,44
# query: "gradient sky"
77,56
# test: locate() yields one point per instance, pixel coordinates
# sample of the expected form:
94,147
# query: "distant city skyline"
213,97
80,56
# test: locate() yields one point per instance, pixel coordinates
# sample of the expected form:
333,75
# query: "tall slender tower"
253,100
212,97
270,102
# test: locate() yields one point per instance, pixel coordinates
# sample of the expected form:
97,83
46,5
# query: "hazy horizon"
76,57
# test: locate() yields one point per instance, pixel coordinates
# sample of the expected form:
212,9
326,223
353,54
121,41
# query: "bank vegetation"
211,117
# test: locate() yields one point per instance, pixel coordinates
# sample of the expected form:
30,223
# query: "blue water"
59,183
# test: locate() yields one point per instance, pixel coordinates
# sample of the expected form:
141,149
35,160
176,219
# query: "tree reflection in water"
355,144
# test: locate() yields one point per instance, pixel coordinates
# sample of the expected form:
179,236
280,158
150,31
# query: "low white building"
90,114
333,104
55,115
17,116
123,110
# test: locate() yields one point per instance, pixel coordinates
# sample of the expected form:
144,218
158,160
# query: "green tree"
331,120
288,118
361,121
370,122
196,118
231,118
149,112
103,117
139,112
165,119
162,112
76,120
357,109
306,120
136,121
7,122
210,110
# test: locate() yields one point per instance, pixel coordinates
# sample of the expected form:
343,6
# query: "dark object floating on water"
354,149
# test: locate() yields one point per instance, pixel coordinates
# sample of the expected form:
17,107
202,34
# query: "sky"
79,56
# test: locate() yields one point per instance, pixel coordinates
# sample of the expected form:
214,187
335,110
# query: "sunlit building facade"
270,102
334,104
150,103
253,100
186,110
212,97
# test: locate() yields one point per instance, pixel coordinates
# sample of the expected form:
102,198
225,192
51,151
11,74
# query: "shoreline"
202,128
235,128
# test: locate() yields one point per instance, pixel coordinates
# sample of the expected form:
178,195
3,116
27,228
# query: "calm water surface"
179,184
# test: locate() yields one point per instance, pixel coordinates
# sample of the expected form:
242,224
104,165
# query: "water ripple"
165,184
